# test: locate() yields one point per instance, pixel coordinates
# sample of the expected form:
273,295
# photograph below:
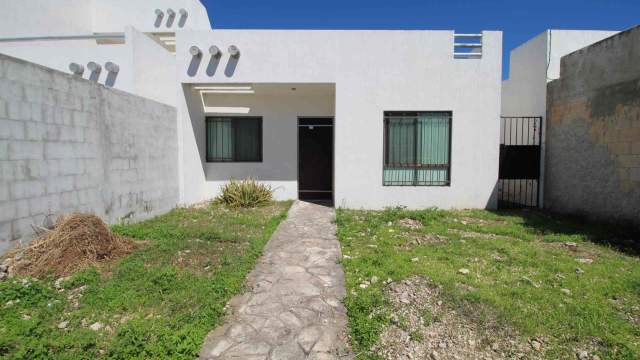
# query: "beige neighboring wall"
593,131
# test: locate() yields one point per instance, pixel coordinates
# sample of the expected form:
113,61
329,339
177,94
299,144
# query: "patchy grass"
159,302
523,272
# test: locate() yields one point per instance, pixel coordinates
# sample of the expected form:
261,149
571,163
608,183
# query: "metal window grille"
234,139
417,148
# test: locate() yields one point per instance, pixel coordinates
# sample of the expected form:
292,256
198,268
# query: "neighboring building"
593,131
367,118
138,37
524,99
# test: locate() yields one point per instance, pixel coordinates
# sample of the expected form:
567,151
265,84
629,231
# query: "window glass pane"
401,143
433,138
219,139
234,139
248,140
417,148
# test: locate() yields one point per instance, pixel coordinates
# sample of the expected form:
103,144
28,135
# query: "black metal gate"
519,174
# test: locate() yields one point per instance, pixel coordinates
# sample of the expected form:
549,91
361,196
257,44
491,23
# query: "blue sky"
519,20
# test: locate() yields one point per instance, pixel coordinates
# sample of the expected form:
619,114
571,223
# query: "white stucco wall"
110,15
146,68
22,18
536,62
373,72
74,17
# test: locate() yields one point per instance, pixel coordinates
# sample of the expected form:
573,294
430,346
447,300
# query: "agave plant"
245,193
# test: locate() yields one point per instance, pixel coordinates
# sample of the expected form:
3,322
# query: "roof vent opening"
467,46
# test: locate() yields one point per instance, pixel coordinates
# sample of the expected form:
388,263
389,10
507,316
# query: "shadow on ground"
623,237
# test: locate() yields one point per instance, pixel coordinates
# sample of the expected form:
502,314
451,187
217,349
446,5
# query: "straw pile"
76,241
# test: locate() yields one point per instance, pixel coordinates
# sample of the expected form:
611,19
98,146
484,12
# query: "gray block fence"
68,144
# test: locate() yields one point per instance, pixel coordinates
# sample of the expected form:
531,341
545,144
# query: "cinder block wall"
68,144
593,131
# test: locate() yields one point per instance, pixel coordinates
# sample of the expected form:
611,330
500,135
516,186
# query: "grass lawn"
524,272
158,302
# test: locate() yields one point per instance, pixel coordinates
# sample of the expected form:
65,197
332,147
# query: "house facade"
366,118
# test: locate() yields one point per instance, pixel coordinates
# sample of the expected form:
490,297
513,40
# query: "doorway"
315,158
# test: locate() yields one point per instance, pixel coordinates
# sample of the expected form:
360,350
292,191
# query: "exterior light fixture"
183,12
214,51
76,69
94,67
195,51
234,51
171,13
159,13
112,67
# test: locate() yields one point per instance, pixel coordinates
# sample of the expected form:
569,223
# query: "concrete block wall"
68,144
593,132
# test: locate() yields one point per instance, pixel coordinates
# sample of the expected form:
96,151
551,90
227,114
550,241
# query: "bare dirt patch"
76,241
423,327
414,240
410,223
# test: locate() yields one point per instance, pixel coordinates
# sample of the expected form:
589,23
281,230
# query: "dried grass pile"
76,241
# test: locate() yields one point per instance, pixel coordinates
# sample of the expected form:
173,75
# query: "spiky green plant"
245,193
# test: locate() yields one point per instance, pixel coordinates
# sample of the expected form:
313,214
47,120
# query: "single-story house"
366,118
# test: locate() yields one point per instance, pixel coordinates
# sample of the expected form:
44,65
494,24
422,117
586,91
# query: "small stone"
495,347
96,326
595,357
63,325
58,283
434,355
463,271
472,343
364,285
374,279
26,317
536,345
571,245
442,345
415,259
584,261
3,275
582,355
579,271
346,257
566,291
4,268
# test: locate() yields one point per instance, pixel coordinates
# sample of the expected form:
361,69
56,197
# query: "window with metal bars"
234,139
417,148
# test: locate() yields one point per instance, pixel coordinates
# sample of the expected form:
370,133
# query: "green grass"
159,302
517,270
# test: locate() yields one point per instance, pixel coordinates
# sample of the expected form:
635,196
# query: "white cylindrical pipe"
183,12
76,68
171,13
159,13
94,66
195,51
214,51
234,51
112,67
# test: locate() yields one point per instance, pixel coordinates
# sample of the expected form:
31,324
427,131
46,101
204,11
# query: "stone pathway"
294,308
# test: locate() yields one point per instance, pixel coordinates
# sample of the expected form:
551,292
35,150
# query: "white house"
367,118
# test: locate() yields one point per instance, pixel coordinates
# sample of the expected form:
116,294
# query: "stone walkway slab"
293,309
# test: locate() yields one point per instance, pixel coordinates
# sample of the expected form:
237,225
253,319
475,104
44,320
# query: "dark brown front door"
315,158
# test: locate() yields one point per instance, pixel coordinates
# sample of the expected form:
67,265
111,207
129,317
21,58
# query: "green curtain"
220,139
